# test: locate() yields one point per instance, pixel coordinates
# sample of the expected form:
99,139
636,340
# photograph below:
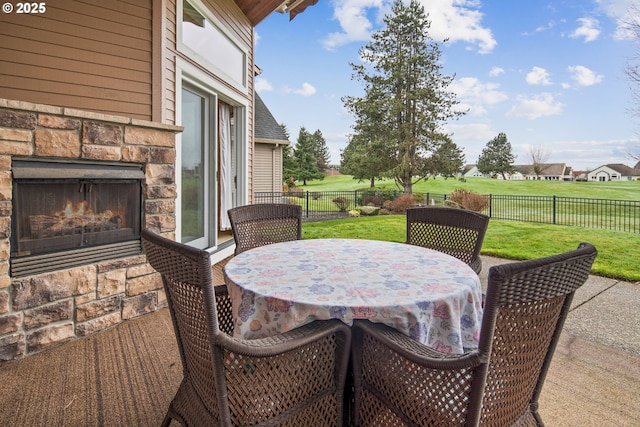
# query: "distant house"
471,171
547,171
614,172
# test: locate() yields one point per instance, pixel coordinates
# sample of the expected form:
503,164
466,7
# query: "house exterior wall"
112,66
94,56
603,173
268,168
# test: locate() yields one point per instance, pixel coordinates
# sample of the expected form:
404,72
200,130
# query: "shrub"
296,192
342,203
402,203
388,205
419,198
372,201
469,200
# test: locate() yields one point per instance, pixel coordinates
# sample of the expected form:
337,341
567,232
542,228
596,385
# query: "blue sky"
548,74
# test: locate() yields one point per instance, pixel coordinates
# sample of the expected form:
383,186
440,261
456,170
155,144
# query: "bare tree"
632,70
539,157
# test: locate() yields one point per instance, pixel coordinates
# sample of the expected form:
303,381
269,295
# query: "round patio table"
425,294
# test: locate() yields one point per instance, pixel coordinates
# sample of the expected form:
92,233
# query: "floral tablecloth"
429,296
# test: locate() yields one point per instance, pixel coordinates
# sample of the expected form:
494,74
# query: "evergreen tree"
497,157
447,160
406,98
320,151
364,159
289,164
306,164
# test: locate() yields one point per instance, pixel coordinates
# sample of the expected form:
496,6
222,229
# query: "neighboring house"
143,110
614,172
547,171
471,171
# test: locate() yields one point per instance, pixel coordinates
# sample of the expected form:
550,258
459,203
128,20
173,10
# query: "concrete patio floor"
594,379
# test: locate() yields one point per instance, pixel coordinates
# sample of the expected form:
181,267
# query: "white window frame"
194,76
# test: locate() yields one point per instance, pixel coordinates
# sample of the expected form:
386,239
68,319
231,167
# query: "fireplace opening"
66,214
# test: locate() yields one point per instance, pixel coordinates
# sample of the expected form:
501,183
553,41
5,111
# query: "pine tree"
320,151
406,98
306,165
497,157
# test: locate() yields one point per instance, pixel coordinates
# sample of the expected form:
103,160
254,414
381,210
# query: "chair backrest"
187,277
265,223
457,232
526,305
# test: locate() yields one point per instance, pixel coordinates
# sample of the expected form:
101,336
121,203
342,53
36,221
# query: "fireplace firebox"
70,214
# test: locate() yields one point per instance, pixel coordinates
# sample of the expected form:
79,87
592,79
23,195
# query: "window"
196,160
202,40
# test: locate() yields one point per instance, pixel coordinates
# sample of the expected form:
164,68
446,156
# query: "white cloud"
456,20
459,20
306,90
475,95
584,76
352,16
538,106
538,76
496,71
474,132
588,29
262,85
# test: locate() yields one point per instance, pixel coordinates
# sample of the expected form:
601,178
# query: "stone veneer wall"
40,311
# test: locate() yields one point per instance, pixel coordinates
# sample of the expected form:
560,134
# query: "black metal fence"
619,215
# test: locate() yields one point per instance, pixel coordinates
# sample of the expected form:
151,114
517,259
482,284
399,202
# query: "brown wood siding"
170,63
90,55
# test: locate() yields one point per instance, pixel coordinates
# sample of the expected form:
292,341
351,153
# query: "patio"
128,374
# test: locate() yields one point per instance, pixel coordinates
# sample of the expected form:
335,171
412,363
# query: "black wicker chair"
399,382
457,232
264,223
295,379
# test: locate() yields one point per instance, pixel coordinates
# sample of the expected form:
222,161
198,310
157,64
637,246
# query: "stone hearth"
40,311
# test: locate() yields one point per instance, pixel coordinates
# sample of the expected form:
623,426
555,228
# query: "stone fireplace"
76,188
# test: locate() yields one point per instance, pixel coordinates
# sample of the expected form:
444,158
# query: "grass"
618,252
623,190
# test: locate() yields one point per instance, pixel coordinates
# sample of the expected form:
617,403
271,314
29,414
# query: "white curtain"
226,179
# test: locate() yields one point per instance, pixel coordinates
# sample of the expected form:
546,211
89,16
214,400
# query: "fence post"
554,209
307,204
490,205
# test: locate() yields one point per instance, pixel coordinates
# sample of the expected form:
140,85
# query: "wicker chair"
399,382
457,232
293,379
265,223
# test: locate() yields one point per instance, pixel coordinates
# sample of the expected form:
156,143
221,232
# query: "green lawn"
627,190
618,252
